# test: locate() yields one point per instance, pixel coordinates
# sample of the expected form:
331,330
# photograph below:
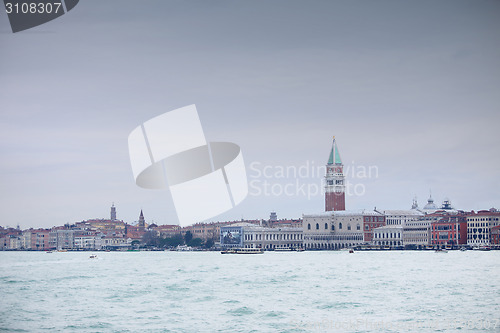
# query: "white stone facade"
479,227
401,217
335,230
417,233
390,235
255,236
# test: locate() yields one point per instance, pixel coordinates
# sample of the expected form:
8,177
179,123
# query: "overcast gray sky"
408,87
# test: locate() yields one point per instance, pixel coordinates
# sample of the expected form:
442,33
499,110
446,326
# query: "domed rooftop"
430,203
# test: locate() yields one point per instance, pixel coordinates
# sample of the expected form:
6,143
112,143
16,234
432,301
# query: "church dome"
430,204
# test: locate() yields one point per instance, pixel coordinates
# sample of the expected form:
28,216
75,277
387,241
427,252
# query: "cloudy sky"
409,88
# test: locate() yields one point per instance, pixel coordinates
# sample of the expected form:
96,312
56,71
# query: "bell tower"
142,222
113,212
334,181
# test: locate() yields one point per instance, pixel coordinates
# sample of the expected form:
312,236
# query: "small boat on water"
463,249
183,248
242,251
93,256
282,249
351,251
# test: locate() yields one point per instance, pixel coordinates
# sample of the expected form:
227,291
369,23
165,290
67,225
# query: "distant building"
204,231
389,235
40,240
479,227
417,233
495,235
291,223
338,229
142,221
113,243
449,230
334,181
61,239
370,223
113,212
247,235
401,217
167,230
273,217
430,206
85,239
103,225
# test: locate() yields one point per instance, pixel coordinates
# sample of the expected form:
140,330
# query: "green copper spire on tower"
334,154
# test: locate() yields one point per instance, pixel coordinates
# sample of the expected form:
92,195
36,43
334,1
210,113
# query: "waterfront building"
85,239
449,230
416,234
479,226
204,231
401,217
338,229
370,222
61,238
34,239
14,242
40,240
291,223
389,235
167,230
248,235
26,237
3,243
113,243
334,181
495,235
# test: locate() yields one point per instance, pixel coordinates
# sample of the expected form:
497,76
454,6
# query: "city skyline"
408,89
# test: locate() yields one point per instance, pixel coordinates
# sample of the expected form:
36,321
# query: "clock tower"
334,181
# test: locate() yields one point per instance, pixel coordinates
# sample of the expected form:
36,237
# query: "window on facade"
333,227
367,227
340,225
348,227
326,226
317,226
309,226
358,227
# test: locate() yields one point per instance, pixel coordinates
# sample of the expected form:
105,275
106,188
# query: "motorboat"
243,251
